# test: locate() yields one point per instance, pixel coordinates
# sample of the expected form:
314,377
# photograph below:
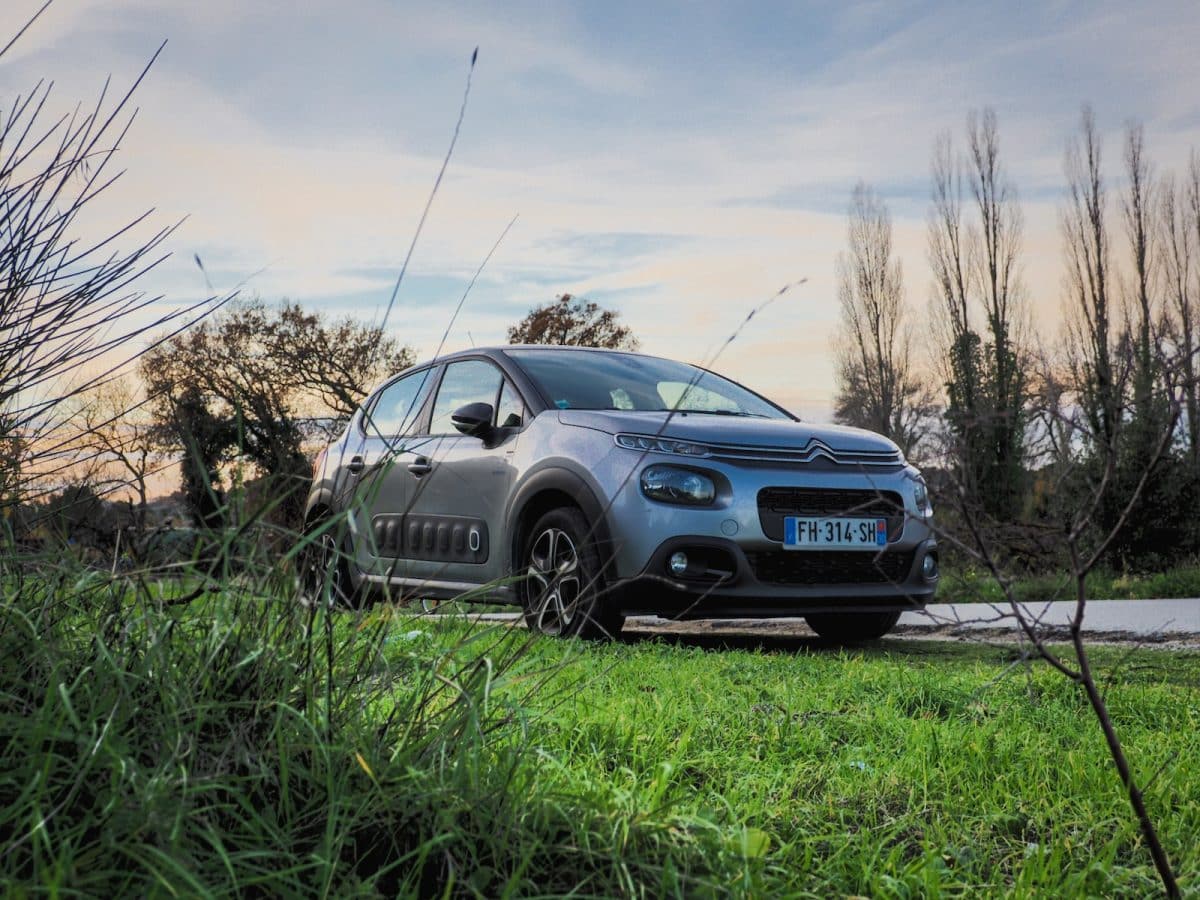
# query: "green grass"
909,769
976,585
240,744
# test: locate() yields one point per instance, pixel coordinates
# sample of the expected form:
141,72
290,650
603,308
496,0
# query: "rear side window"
396,407
469,381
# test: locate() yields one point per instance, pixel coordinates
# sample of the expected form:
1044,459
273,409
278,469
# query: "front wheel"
562,584
851,627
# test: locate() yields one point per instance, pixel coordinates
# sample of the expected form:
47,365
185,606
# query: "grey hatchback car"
586,485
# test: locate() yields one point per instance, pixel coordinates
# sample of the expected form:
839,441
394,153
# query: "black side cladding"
426,537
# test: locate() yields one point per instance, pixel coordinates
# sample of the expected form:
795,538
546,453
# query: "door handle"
420,466
355,465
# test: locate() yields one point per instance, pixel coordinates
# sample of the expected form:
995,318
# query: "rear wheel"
562,585
850,627
324,570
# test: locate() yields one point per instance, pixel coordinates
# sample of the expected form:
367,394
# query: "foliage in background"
256,382
967,584
575,321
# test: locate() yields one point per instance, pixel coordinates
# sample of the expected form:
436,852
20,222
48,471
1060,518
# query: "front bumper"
725,580
751,574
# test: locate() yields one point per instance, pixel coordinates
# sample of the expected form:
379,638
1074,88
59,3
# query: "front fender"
565,481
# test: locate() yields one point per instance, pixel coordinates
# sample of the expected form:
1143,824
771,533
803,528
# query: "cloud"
679,162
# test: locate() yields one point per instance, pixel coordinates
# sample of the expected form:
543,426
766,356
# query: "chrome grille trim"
816,450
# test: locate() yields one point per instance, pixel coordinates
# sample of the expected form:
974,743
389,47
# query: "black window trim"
505,377
420,420
515,429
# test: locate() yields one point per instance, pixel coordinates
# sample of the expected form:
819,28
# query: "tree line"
1025,428
233,406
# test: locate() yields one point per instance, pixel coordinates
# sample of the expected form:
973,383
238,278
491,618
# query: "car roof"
498,349
493,352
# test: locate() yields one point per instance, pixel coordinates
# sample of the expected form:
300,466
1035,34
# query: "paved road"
1170,621
1143,618
1166,623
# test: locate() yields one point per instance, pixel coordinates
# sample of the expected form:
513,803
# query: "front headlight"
921,496
673,485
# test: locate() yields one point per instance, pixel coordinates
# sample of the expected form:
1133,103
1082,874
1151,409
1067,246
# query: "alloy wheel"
321,573
554,580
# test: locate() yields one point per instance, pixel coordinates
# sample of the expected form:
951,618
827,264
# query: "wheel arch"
549,489
319,505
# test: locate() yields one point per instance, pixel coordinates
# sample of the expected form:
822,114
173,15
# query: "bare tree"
332,364
974,254
877,385
118,431
1001,226
1180,238
949,243
1120,368
951,261
576,321
67,302
1139,206
1086,243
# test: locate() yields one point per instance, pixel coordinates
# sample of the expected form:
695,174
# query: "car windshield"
583,380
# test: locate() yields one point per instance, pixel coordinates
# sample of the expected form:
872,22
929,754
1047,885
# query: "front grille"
775,503
820,567
815,454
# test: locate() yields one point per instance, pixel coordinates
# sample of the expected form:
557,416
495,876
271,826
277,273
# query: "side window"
397,406
510,413
469,381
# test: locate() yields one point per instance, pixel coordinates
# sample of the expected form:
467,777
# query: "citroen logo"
817,448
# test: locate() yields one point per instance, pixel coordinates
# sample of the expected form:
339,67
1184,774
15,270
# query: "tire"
561,580
851,627
323,569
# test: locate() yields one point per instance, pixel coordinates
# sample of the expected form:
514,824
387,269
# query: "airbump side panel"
436,538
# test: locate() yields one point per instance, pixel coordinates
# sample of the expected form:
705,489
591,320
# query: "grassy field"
240,744
906,769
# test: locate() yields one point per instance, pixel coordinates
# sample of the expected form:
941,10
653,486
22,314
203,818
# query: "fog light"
678,564
929,567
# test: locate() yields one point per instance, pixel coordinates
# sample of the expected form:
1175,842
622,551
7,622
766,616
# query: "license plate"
804,533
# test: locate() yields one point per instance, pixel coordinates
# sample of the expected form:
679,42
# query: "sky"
680,163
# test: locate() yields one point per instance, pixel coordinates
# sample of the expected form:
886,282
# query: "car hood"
730,430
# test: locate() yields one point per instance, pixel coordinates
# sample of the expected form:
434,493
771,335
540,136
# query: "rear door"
458,491
390,437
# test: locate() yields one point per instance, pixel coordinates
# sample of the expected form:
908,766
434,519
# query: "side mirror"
474,419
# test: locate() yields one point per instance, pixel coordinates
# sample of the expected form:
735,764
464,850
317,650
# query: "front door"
457,491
